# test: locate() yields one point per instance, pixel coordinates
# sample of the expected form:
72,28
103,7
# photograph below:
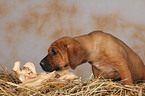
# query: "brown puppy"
108,56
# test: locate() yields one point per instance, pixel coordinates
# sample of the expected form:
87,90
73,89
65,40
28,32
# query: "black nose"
46,66
41,63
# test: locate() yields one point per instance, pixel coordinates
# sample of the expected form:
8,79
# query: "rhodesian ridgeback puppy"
108,56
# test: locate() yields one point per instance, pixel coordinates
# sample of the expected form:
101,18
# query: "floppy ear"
75,54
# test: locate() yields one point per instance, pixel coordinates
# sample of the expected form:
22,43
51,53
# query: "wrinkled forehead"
60,42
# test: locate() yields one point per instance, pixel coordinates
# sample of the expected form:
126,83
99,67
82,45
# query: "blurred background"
28,27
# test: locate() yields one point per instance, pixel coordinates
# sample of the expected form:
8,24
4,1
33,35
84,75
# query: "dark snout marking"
46,66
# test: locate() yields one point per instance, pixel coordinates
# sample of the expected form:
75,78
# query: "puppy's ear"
75,54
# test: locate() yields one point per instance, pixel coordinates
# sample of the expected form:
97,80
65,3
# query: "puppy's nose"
45,65
41,64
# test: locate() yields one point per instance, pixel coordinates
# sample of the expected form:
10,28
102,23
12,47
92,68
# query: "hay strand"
10,85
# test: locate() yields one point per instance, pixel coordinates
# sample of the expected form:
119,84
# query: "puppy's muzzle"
47,66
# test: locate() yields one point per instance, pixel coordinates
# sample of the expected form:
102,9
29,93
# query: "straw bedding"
10,85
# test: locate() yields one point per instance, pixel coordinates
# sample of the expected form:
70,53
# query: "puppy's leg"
144,73
96,72
121,67
125,73
106,71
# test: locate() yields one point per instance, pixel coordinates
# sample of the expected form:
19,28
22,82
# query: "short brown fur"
109,56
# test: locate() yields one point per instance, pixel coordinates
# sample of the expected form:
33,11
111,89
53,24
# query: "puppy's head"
63,54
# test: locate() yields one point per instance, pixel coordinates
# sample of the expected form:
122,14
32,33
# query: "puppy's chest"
97,63
103,66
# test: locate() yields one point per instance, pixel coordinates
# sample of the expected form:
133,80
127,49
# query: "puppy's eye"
54,52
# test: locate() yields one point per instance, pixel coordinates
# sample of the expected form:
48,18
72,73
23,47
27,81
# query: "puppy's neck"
90,49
